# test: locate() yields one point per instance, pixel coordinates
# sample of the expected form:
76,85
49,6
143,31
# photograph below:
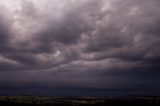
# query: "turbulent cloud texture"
68,47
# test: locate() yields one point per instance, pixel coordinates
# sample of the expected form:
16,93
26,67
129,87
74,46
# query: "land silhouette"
79,101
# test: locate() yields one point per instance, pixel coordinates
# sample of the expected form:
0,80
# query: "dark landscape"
79,101
79,52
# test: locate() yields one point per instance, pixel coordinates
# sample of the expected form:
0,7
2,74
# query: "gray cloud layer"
88,44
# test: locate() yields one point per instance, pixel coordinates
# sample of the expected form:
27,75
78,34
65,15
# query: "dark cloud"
82,45
4,29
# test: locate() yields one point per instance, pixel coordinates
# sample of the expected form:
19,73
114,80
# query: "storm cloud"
70,47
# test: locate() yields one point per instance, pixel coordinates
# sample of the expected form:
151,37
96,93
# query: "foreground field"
78,101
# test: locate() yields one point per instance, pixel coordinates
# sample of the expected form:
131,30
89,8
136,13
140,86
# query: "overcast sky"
79,47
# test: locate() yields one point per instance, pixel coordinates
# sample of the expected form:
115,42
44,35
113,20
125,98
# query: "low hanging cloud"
87,44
